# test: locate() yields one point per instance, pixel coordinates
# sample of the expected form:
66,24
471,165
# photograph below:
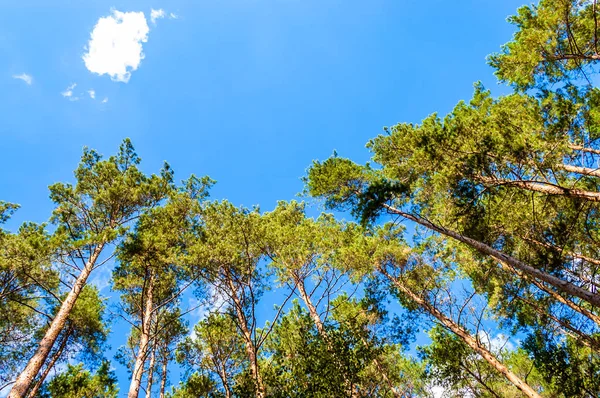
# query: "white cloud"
105,100
102,277
156,14
173,16
115,46
92,93
498,343
25,77
68,93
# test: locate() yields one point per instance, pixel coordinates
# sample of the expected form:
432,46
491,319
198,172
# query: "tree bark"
580,170
558,283
465,336
543,187
584,149
314,314
138,369
554,295
151,373
52,362
312,310
24,380
163,377
248,341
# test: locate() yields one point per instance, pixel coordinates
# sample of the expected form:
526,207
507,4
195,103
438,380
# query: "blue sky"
246,91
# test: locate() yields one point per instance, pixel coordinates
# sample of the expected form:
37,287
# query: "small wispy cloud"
68,93
156,15
105,100
25,77
92,93
173,16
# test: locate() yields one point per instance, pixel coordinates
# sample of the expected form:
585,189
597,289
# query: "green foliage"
26,276
76,382
216,349
108,194
556,40
196,386
572,368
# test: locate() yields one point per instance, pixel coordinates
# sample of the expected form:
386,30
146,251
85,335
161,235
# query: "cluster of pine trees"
486,219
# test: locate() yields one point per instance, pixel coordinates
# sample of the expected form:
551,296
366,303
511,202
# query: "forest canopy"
480,227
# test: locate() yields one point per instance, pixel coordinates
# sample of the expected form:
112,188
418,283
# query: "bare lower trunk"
163,377
465,336
151,373
51,364
552,280
138,369
24,380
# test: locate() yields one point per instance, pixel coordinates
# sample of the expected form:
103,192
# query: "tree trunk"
543,187
314,314
163,377
312,310
558,283
151,372
465,336
138,369
555,295
46,371
580,170
584,149
24,380
248,341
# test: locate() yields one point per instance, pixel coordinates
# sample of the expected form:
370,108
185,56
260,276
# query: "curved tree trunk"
138,369
466,337
552,280
24,380
52,362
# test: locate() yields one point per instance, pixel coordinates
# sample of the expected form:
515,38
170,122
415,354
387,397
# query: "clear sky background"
248,92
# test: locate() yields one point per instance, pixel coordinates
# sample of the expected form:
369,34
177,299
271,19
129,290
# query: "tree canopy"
471,265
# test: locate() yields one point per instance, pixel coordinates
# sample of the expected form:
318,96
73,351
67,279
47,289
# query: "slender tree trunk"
223,376
314,314
248,341
151,372
163,377
465,336
579,170
312,310
565,325
24,380
584,149
138,369
543,187
558,283
52,362
554,295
